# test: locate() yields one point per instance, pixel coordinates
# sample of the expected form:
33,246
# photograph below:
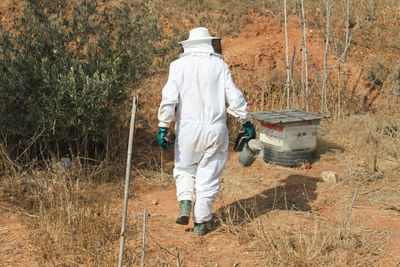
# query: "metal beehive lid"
286,116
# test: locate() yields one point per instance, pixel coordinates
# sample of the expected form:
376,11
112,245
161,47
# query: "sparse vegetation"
66,71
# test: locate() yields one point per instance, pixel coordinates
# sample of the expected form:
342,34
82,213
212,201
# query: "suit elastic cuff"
163,124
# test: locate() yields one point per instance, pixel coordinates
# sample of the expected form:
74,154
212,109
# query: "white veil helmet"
198,35
199,40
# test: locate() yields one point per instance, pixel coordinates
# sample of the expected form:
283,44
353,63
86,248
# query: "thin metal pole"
144,236
287,59
127,180
351,206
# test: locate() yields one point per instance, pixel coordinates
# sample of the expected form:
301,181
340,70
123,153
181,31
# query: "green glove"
250,130
162,133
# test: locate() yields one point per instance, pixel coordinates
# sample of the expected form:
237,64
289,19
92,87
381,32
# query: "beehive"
289,131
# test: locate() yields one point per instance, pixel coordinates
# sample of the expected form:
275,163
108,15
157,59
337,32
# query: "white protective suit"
197,93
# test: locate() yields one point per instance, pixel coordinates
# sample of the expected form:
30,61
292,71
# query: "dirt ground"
253,55
306,196
221,248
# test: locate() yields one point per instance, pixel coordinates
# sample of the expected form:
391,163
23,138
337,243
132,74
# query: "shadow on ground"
296,193
324,146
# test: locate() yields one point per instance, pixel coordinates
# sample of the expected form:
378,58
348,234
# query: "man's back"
200,79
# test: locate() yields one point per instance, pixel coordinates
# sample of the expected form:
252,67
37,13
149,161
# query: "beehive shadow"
324,146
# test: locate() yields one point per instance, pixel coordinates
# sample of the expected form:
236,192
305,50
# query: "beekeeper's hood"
199,40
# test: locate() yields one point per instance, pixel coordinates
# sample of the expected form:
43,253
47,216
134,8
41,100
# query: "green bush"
66,68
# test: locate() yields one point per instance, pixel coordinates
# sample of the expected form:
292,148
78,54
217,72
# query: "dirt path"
273,197
223,247
215,248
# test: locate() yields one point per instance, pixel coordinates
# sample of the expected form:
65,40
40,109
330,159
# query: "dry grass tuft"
369,154
75,222
291,236
394,78
370,144
314,242
75,215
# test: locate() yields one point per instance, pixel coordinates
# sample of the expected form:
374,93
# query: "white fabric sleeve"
170,97
237,106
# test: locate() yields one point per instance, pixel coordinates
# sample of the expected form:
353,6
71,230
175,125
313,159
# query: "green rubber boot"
201,229
184,213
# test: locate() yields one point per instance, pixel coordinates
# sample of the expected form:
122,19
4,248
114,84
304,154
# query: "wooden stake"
127,180
178,261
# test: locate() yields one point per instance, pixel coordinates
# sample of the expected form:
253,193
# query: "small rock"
66,163
306,166
369,18
329,177
155,202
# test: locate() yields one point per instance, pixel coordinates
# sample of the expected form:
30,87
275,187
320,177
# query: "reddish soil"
259,53
220,248
14,239
260,47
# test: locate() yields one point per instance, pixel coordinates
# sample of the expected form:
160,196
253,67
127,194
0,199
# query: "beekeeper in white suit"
198,90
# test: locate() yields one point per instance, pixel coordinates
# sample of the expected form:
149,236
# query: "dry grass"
371,143
370,157
76,222
315,242
282,227
74,216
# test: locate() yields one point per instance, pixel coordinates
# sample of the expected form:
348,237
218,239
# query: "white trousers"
201,151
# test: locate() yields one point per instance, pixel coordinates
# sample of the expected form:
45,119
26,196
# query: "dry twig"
19,212
161,247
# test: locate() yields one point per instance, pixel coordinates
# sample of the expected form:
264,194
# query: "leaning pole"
127,179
